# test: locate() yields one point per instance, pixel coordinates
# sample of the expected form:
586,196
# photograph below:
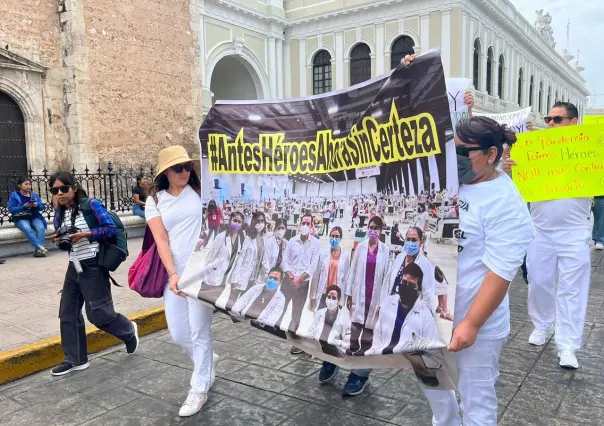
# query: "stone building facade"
296,48
97,81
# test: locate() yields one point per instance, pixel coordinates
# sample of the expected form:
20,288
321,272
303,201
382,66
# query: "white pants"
478,370
565,255
190,325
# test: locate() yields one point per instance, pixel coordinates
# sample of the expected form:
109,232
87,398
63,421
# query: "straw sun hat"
171,156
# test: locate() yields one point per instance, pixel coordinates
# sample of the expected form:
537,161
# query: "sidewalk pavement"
260,383
29,307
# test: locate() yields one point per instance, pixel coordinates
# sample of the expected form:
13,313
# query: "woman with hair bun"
495,231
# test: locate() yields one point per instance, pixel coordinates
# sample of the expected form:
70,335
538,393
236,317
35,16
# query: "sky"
586,33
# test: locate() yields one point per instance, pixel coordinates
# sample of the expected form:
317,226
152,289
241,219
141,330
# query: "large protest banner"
516,120
562,162
300,183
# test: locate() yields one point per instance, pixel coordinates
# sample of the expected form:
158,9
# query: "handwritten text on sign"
565,162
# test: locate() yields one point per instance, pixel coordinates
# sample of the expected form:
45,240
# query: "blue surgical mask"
272,284
334,242
412,247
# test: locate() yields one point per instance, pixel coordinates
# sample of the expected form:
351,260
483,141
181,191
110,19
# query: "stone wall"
143,78
123,78
31,29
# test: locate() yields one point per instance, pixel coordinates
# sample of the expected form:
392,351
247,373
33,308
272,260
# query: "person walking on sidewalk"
86,282
598,230
26,207
173,213
559,252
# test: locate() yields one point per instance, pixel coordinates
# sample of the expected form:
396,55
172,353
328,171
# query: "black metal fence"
113,186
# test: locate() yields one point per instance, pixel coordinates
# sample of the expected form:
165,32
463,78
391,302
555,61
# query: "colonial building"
289,48
83,83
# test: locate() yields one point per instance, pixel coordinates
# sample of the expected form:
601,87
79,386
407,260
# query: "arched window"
476,64
321,72
520,83
500,76
531,89
401,47
490,71
360,64
541,96
549,99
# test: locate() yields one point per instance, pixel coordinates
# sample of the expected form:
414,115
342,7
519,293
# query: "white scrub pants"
563,255
190,325
478,370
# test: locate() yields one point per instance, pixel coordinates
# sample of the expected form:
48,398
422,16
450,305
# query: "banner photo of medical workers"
331,221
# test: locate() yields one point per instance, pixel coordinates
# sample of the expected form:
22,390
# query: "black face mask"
465,174
407,294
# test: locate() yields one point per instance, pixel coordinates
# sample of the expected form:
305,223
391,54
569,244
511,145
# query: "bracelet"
173,273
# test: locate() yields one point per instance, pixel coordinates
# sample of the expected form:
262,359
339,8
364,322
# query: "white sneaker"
568,360
193,404
599,246
215,359
538,338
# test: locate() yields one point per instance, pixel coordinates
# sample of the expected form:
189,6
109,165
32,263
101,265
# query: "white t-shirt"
561,215
182,219
496,230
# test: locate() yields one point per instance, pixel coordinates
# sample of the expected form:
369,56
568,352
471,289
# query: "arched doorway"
13,150
234,79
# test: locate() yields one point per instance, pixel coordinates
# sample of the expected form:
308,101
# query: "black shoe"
132,344
328,372
2,261
66,368
355,385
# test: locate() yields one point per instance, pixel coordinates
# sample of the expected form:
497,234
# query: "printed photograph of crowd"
359,271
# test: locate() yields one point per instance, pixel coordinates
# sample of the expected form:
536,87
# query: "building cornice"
548,55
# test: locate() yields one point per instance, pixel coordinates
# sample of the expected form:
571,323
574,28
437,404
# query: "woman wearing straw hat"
173,214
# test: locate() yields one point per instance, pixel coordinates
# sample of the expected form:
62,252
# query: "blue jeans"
33,229
598,231
137,210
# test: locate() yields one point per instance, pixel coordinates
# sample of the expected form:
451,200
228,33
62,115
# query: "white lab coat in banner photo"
319,278
339,335
430,290
272,311
418,332
355,286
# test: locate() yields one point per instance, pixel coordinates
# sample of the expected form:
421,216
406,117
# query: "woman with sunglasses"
495,232
247,268
173,215
26,207
83,224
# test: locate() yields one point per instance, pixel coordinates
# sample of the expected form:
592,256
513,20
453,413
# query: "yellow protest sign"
562,162
593,119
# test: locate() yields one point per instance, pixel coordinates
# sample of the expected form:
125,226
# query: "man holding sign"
559,250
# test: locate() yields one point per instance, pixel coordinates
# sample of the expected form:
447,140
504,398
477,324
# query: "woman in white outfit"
173,214
495,232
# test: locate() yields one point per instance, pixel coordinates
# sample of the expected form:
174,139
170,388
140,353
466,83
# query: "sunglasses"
178,168
63,188
464,151
556,119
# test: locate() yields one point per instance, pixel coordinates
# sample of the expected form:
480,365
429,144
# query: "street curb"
29,359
